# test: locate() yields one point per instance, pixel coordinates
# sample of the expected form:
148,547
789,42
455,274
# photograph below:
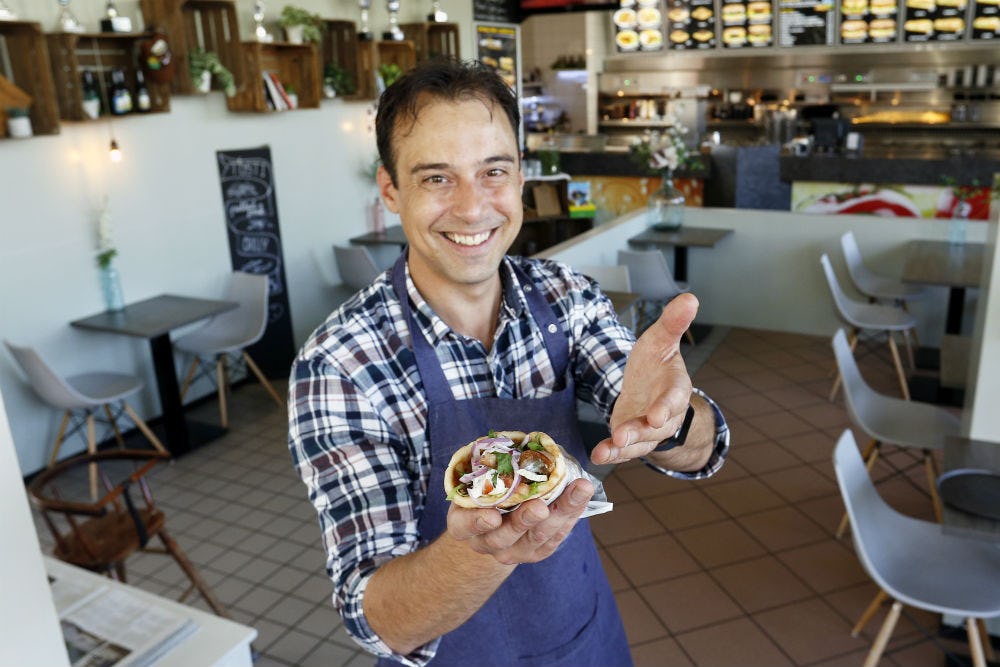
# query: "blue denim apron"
561,611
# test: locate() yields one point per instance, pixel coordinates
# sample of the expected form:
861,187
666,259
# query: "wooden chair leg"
909,349
985,636
689,336
870,455
54,456
188,378
852,340
92,449
220,379
899,367
975,643
189,569
144,428
269,387
114,425
869,612
883,635
930,467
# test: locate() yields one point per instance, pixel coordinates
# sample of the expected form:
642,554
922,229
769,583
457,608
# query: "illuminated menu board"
868,21
638,26
691,24
805,22
747,24
934,20
985,19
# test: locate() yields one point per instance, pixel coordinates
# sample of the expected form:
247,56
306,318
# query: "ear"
387,189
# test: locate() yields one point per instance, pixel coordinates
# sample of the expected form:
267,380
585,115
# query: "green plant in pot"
337,79
300,25
389,73
204,66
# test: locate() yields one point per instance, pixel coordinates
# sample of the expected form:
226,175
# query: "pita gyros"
505,468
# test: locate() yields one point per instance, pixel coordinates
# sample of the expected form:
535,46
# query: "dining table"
969,487
956,266
391,235
680,240
153,319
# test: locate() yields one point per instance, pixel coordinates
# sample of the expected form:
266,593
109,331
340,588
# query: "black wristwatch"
678,438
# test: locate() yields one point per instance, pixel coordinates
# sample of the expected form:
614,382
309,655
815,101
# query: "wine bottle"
91,97
121,98
142,99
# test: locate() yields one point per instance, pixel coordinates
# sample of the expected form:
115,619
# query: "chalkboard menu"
747,24
985,19
247,180
638,26
500,11
934,20
868,21
805,22
691,24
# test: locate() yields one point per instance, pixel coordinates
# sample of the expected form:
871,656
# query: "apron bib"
559,612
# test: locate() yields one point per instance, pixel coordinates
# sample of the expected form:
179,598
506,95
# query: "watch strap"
678,438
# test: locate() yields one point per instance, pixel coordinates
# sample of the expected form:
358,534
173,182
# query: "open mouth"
469,240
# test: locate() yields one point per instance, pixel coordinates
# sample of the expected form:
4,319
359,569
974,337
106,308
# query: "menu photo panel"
934,20
638,26
869,21
806,23
985,19
747,23
691,24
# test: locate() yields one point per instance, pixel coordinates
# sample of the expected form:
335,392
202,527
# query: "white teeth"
468,239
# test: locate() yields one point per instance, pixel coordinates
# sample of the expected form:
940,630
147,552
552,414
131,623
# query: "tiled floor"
742,569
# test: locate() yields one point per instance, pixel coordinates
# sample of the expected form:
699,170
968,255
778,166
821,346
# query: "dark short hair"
443,78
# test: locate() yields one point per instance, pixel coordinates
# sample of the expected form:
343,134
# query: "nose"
468,200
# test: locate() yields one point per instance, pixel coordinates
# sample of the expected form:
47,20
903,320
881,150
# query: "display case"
209,25
27,66
71,53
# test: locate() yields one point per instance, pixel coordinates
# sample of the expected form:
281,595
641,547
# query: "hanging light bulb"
116,153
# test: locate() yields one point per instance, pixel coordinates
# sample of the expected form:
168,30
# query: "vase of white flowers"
663,153
111,284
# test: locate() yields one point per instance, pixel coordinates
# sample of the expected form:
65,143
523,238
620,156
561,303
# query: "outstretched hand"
656,389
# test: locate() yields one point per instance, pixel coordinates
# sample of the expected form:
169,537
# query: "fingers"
528,534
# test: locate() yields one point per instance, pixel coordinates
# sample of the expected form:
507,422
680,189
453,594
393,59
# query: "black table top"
155,316
393,235
704,237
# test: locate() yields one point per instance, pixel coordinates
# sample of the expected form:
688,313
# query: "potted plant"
388,73
203,66
18,122
336,81
300,25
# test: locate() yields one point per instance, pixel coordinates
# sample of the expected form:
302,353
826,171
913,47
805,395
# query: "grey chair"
873,318
872,284
220,342
652,279
356,265
915,562
893,421
81,397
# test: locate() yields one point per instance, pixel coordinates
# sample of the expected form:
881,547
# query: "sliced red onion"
468,477
510,491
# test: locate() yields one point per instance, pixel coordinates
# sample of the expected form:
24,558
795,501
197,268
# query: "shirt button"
553,328
527,288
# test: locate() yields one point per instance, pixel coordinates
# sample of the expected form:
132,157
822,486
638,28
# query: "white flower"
105,241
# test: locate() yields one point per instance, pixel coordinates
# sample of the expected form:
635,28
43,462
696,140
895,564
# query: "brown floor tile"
659,653
735,643
629,521
744,496
689,602
719,543
808,631
687,508
767,380
792,398
763,457
641,624
644,482
616,578
826,566
652,559
780,425
748,405
761,583
782,528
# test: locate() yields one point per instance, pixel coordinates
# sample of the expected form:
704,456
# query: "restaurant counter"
619,163
914,166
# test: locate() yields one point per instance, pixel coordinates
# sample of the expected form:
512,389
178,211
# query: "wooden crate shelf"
24,61
209,25
342,48
71,53
295,64
433,39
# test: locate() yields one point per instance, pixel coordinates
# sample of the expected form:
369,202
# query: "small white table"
218,642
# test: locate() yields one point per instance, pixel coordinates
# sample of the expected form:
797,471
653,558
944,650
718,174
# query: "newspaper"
110,627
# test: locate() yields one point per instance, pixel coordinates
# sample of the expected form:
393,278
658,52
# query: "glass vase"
111,288
666,206
957,226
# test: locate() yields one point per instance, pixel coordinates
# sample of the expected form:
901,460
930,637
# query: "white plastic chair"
224,337
81,397
872,317
915,562
872,284
356,265
652,279
893,421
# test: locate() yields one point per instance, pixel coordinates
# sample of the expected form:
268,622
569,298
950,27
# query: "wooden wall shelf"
71,53
433,39
295,64
342,48
210,25
27,67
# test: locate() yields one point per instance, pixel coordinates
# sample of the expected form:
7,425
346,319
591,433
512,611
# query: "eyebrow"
433,166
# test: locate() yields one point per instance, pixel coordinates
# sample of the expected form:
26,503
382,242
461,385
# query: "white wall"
31,636
166,208
984,382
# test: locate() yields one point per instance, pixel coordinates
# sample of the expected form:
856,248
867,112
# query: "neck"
470,310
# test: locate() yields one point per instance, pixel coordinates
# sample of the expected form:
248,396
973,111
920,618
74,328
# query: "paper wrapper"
598,504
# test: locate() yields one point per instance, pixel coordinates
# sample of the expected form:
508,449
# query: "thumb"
677,316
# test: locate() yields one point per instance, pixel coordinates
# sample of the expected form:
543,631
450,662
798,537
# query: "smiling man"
455,340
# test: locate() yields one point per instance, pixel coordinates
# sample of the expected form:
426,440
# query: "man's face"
458,192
